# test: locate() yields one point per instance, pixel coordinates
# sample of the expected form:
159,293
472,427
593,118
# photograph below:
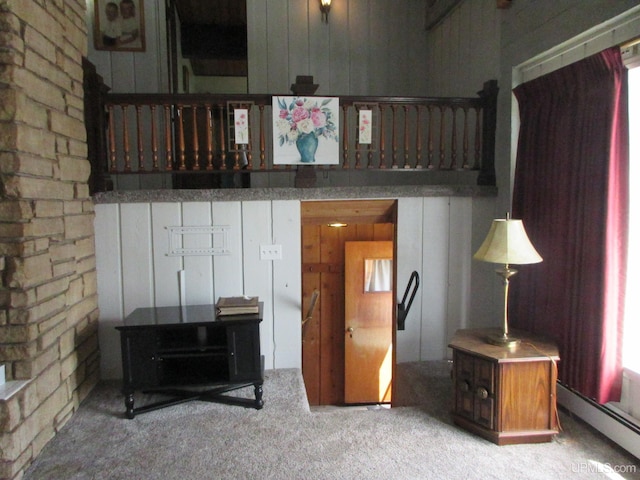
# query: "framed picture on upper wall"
119,25
305,130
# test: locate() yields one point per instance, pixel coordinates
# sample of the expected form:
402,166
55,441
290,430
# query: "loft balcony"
187,141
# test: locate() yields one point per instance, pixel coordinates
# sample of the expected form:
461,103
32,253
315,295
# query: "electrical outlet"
270,252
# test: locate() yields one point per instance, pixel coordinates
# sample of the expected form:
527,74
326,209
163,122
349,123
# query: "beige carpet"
286,440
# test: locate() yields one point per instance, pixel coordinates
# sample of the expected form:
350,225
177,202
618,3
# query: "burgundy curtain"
571,191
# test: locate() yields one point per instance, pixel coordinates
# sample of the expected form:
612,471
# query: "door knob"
482,393
350,330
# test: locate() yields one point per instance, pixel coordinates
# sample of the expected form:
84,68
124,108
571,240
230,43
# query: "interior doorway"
323,276
207,45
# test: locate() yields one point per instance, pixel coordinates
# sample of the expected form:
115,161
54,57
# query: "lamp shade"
508,243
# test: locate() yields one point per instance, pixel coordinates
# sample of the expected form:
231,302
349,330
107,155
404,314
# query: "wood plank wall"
434,238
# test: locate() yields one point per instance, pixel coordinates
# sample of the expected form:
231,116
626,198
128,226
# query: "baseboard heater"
612,423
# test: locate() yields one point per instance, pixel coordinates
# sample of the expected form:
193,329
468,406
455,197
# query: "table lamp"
507,242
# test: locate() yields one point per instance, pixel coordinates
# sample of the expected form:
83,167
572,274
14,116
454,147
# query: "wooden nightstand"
506,395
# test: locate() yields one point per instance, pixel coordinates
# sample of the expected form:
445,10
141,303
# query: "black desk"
189,353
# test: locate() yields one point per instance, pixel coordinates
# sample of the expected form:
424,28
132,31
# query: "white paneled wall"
135,270
135,72
463,50
369,47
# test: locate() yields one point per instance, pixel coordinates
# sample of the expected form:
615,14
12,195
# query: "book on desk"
240,305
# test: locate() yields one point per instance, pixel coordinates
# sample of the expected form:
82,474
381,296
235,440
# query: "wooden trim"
348,211
322,268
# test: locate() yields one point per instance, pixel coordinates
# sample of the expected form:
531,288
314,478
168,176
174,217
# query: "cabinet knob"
482,393
465,386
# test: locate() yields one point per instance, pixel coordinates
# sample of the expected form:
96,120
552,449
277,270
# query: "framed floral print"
305,130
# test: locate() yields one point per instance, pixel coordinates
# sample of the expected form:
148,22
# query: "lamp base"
502,340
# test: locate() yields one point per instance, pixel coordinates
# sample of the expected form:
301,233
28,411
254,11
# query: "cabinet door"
244,352
484,393
475,389
139,363
464,384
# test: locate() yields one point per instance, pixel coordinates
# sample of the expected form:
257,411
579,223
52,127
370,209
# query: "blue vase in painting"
307,145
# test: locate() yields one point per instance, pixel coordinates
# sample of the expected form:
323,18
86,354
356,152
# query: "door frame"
323,269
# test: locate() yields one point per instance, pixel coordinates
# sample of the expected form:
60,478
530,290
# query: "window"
631,352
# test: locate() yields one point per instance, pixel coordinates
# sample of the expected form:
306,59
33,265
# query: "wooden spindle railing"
181,148
249,147
357,137
477,141
382,163
125,138
418,137
167,135
394,138
113,165
406,136
430,139
441,164
194,133
263,155
465,139
345,136
223,148
190,133
454,140
209,129
154,140
139,136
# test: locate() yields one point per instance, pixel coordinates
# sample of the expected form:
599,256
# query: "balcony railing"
188,135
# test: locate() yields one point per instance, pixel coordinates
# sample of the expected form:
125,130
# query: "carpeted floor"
287,440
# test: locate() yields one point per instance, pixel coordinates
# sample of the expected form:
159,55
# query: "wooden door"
368,321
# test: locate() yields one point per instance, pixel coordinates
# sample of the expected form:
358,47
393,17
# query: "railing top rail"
266,99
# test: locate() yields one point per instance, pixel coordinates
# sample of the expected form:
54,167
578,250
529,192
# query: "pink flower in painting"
318,118
241,121
299,113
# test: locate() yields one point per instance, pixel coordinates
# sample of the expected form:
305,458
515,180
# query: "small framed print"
241,126
119,25
365,126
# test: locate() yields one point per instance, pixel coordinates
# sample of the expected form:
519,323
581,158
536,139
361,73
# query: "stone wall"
48,296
